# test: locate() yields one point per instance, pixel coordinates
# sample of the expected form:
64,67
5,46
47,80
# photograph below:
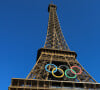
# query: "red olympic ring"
78,68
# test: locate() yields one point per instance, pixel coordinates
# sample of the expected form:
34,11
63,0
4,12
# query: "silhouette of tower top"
55,38
51,6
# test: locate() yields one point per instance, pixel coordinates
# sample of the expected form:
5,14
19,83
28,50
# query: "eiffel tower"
56,67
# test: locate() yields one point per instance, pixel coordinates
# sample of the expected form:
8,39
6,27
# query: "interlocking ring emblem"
63,72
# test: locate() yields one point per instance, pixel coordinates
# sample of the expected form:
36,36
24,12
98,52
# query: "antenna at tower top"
51,1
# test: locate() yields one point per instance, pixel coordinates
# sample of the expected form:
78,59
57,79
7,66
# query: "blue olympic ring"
52,65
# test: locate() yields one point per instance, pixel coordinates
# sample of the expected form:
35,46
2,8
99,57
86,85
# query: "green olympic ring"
69,76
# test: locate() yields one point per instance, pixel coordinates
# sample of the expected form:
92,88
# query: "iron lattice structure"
56,67
55,38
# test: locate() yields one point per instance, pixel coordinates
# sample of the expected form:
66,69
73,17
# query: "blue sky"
23,27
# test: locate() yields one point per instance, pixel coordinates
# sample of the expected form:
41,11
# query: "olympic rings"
58,76
52,65
74,70
69,76
64,72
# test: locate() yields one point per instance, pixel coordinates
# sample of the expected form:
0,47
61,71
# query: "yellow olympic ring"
58,76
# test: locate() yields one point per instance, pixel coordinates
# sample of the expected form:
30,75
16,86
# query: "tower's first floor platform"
36,84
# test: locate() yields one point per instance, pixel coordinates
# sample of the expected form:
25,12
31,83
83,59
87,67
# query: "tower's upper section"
51,6
55,38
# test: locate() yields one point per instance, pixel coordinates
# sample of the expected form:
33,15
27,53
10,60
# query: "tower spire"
51,1
55,38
